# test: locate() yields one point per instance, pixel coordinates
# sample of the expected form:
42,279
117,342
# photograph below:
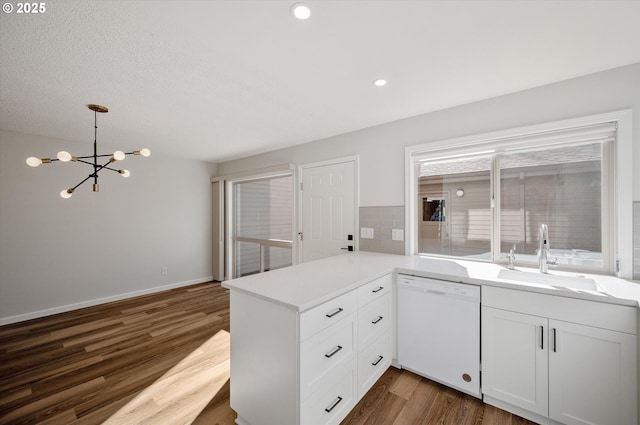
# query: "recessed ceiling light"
380,82
301,11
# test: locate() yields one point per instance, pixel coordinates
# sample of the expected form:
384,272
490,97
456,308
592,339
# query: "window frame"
617,172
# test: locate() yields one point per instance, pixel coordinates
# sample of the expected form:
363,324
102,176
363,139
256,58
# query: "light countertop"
306,285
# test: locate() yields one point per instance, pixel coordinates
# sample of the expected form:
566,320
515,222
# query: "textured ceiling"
215,80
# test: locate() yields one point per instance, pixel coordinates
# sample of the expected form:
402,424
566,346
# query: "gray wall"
381,148
58,254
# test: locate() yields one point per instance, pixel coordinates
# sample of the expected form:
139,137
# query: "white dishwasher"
439,331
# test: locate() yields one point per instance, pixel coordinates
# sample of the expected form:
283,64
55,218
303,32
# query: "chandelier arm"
86,162
76,186
98,169
92,156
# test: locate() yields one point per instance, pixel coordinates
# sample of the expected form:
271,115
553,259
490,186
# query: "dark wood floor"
400,397
80,367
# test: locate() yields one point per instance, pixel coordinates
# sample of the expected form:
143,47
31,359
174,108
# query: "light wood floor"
86,366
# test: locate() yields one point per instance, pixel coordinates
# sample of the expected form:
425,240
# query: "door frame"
355,159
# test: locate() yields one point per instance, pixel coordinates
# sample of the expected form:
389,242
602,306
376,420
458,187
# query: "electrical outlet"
397,234
366,232
164,271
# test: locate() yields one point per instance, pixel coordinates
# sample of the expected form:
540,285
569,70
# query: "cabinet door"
514,359
592,375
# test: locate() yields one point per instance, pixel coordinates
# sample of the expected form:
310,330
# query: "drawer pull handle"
377,361
333,353
377,320
333,405
333,313
378,289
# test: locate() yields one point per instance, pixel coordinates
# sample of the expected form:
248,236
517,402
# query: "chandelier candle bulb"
143,152
118,155
64,156
32,161
66,194
124,173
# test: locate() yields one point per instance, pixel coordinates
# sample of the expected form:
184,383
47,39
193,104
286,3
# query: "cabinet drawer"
332,403
374,289
318,318
373,320
373,362
325,353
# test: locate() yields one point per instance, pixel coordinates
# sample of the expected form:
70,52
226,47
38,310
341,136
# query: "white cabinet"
565,360
308,368
592,375
514,359
374,332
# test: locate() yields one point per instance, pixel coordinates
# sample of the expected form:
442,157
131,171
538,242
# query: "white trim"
70,307
493,139
356,207
623,174
623,168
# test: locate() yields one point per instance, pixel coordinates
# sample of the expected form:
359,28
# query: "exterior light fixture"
301,11
460,193
64,156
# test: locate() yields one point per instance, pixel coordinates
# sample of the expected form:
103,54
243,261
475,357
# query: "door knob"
348,248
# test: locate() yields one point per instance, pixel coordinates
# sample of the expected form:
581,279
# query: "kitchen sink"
557,281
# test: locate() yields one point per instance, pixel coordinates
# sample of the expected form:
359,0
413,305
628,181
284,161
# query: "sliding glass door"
262,224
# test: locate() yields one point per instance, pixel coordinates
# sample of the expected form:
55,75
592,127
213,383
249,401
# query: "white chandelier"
64,156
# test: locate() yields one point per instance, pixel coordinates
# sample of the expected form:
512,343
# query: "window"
455,223
560,187
478,197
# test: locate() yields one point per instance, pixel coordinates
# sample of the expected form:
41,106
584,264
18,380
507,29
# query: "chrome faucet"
511,257
543,247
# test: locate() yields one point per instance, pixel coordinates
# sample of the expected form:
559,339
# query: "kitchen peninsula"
304,350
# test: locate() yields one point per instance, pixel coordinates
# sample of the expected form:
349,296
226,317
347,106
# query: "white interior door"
329,208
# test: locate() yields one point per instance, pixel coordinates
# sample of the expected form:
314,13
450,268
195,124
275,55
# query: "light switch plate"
366,232
397,234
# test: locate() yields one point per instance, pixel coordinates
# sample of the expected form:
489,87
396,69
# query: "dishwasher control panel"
423,284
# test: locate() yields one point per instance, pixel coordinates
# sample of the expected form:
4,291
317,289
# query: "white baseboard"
64,308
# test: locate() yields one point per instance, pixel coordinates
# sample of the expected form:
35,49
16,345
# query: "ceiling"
217,80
